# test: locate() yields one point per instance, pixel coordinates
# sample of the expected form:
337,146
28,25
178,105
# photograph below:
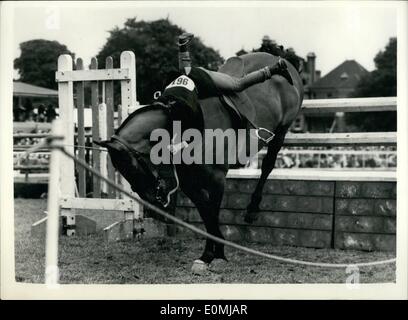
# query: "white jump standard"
102,127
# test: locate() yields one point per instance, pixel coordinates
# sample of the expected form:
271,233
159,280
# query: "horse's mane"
142,109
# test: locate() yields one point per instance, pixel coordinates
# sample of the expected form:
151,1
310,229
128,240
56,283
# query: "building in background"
338,83
307,67
30,101
309,74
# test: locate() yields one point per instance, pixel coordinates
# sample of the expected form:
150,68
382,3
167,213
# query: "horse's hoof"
199,267
220,257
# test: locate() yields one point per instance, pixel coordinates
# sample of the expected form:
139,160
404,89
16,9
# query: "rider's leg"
225,82
184,54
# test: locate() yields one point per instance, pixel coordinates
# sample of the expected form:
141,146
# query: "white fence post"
103,135
53,217
129,103
66,115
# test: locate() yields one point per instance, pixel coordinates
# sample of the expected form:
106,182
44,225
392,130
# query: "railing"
332,159
341,139
30,165
350,105
349,139
313,139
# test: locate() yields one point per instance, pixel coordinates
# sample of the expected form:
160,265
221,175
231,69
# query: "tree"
155,46
382,82
270,46
37,63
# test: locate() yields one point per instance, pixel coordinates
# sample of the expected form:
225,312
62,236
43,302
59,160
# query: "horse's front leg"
208,200
268,163
216,193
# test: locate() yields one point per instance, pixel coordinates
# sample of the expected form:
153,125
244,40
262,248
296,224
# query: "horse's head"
130,147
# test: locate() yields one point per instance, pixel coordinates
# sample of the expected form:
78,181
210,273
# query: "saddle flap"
239,102
228,103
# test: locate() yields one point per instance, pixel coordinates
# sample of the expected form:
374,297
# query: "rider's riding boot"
257,76
280,68
184,54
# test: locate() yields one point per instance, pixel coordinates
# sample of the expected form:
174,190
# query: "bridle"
140,156
159,182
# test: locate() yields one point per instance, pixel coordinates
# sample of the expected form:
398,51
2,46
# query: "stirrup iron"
272,135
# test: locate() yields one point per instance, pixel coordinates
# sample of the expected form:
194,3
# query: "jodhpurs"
225,82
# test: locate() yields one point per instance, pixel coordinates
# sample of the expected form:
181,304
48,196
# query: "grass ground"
90,260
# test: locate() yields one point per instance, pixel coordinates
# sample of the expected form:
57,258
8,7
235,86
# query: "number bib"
184,82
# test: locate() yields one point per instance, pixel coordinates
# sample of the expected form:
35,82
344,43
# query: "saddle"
239,102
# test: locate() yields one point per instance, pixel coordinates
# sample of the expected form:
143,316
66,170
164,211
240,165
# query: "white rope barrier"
214,238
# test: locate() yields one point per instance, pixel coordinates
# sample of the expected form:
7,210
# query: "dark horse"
276,104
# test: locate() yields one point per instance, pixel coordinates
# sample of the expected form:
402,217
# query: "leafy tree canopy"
382,82
155,46
37,63
272,47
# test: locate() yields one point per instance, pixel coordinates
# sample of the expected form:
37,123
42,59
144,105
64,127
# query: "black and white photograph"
203,149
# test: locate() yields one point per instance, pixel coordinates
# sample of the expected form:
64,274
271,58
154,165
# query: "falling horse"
271,105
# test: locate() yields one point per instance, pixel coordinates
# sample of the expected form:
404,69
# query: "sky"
333,31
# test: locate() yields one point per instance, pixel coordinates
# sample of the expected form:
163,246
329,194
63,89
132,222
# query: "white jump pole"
53,216
103,135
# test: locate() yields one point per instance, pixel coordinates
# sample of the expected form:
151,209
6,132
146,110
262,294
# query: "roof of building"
346,75
21,89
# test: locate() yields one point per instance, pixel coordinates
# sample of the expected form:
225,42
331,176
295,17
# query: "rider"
223,81
199,83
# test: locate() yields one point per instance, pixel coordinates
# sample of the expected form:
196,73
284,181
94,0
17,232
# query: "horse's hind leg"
268,164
